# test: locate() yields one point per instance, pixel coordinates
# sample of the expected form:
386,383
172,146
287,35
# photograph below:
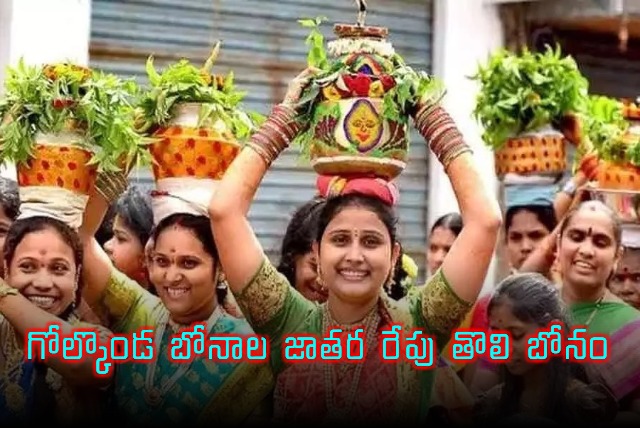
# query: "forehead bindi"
357,220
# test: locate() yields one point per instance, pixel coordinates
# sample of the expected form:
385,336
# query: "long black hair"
533,299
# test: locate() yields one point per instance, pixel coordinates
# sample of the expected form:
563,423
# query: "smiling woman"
42,258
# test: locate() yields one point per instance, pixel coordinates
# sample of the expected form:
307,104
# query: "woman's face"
524,234
126,251
626,281
306,278
440,243
587,249
5,224
183,274
356,255
43,269
502,318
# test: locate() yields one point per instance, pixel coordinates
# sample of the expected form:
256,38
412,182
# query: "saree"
18,377
201,392
621,373
370,391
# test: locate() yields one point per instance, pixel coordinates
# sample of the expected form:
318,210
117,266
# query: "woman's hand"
298,85
589,165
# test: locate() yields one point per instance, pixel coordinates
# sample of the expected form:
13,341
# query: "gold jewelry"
110,185
7,290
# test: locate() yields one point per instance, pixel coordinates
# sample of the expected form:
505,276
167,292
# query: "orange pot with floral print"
533,153
57,162
183,149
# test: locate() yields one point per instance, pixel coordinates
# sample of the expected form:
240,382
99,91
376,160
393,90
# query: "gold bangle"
7,290
110,185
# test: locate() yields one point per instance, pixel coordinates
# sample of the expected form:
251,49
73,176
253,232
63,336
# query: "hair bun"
386,191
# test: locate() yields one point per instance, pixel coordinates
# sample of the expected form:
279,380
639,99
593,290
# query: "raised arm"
25,316
97,268
467,262
240,253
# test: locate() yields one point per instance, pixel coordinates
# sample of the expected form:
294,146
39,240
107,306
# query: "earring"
222,282
320,281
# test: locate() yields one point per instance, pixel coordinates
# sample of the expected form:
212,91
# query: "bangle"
7,290
110,185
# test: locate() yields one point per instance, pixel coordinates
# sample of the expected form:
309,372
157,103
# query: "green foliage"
47,100
183,82
520,93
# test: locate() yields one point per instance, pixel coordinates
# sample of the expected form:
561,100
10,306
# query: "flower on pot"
59,99
523,92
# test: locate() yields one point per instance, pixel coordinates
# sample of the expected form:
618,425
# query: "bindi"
356,234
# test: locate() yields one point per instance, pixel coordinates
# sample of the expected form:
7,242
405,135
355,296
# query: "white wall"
465,33
43,31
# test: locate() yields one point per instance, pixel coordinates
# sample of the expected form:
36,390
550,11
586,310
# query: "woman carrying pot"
42,259
190,287
357,250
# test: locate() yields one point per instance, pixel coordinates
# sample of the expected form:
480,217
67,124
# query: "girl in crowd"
557,390
297,260
443,232
9,209
42,258
131,230
356,250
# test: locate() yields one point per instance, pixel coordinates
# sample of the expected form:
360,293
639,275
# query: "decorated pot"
58,162
626,203
618,176
349,131
185,150
539,152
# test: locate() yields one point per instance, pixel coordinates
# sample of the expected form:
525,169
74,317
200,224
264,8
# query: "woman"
43,258
131,230
443,232
357,250
526,226
588,247
190,289
557,390
297,261
9,208
625,283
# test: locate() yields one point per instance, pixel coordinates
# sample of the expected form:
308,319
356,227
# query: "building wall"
465,33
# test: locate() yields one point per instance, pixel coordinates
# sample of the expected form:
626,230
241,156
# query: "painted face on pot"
43,269
363,126
356,255
587,249
183,274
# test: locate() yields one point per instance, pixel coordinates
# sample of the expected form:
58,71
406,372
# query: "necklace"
154,396
595,310
339,413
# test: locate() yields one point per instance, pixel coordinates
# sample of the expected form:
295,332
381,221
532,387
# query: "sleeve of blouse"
441,309
122,299
271,305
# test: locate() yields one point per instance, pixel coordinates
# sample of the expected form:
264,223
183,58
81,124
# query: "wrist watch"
570,188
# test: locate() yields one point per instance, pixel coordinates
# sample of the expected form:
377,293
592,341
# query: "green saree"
202,392
608,318
383,392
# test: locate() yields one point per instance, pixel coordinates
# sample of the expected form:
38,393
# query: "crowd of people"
341,264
